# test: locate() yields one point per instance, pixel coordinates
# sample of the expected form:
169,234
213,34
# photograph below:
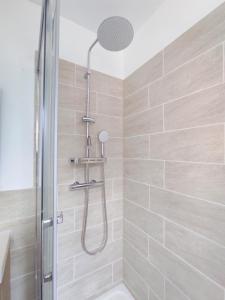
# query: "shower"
114,34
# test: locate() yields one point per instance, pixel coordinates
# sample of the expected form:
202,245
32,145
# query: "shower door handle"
47,223
48,277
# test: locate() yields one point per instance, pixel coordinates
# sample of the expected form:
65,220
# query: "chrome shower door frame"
46,152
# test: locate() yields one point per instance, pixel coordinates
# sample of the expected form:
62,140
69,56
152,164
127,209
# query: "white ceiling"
90,13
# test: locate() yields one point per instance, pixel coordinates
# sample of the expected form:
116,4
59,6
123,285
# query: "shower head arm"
89,57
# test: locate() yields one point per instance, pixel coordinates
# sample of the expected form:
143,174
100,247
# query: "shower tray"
120,292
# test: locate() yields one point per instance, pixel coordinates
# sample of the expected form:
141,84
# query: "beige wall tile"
136,102
5,291
149,72
80,125
192,283
172,293
113,148
71,146
135,283
118,271
67,96
100,82
136,237
66,121
83,289
200,216
22,261
114,168
148,222
137,147
150,121
23,288
66,72
198,180
22,232
16,204
109,105
68,199
85,263
66,173
118,184
148,272
199,144
75,98
68,224
80,80
145,171
203,72
64,271
190,44
117,229
108,85
69,245
114,211
205,107
114,125
206,256
137,193
80,100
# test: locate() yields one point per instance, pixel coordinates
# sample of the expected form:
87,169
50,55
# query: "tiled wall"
17,214
81,275
174,114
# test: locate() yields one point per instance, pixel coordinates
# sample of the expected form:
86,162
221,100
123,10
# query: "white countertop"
4,249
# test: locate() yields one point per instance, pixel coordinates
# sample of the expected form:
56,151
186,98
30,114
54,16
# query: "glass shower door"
46,151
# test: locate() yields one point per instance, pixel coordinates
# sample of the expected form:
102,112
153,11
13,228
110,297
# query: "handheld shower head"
115,33
103,137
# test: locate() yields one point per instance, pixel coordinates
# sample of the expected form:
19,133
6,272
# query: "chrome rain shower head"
115,33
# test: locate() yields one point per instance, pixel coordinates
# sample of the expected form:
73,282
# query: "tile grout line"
176,130
175,161
140,277
178,193
189,265
176,287
88,274
223,62
151,263
171,101
166,219
224,142
176,68
21,276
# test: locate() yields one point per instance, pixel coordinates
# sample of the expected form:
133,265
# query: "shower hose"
86,211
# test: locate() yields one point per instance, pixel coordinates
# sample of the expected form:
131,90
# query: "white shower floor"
120,292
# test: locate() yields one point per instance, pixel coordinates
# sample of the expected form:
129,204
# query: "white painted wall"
19,26
168,22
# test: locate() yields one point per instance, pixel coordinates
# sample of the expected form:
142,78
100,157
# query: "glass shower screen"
46,151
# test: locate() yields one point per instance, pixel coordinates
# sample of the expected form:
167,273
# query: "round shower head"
115,33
